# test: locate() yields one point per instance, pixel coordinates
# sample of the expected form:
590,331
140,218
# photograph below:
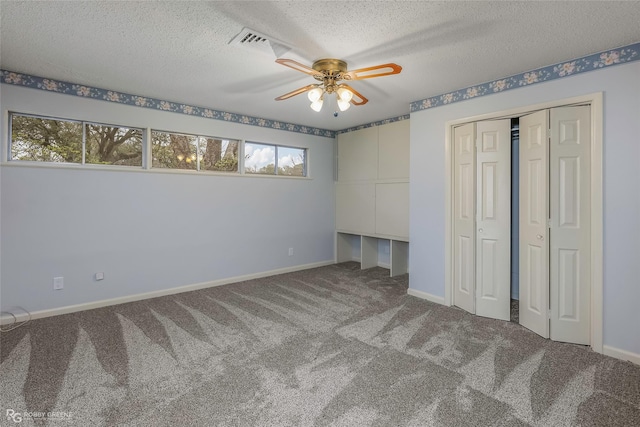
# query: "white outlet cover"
99,276
58,283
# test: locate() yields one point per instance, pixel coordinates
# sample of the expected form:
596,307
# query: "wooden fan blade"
370,72
298,66
296,92
355,101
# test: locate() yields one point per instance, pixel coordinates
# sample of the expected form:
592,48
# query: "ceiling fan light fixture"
315,94
317,105
344,95
329,72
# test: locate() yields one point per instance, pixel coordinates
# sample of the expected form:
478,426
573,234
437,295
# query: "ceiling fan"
329,72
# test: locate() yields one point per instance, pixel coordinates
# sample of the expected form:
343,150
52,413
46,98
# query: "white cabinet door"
392,210
534,231
358,155
493,224
393,150
464,217
570,191
355,208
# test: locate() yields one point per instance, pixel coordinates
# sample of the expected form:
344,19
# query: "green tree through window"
54,140
181,151
45,140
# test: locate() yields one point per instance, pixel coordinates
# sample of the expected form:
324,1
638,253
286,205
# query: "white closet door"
534,231
464,217
570,224
493,212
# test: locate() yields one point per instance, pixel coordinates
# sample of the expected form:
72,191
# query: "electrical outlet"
99,276
290,251
58,283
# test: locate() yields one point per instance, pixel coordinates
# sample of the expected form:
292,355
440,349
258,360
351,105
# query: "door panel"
570,283
536,196
534,231
489,280
534,300
493,225
464,217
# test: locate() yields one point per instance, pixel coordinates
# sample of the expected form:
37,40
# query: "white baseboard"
21,316
425,295
621,354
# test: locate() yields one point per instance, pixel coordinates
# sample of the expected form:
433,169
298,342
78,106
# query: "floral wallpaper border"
372,124
563,69
50,85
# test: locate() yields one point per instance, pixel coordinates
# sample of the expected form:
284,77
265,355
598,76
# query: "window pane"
112,145
218,154
259,158
174,150
45,140
291,161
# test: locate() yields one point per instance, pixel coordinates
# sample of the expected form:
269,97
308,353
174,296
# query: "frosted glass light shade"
317,105
343,105
345,95
314,94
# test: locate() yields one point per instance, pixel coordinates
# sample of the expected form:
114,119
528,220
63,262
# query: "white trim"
621,354
597,118
448,216
4,138
138,169
427,296
147,153
21,316
597,221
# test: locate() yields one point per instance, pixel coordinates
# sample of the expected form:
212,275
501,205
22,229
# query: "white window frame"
305,172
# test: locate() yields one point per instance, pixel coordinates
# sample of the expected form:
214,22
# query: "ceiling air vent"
260,42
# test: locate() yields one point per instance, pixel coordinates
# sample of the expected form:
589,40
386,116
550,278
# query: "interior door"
493,223
570,191
534,230
464,217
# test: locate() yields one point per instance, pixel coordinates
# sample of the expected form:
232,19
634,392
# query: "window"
191,152
45,140
113,145
274,160
53,140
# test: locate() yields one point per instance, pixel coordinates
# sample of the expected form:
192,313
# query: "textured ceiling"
180,51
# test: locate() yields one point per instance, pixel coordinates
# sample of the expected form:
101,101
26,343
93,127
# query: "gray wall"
621,87
149,230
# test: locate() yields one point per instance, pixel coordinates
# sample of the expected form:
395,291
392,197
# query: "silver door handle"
480,230
540,237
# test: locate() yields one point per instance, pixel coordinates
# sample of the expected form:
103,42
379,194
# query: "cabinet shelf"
347,244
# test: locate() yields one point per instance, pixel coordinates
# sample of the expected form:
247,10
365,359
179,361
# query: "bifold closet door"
534,230
555,223
464,221
493,219
570,243
482,197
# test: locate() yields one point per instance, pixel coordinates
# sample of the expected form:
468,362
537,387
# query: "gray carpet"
515,311
329,346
